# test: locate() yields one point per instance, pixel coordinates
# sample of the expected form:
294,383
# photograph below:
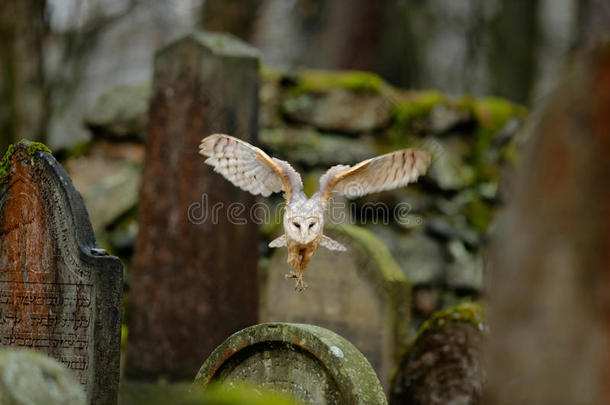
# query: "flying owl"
251,169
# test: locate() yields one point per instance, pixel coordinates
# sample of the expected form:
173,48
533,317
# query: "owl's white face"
303,221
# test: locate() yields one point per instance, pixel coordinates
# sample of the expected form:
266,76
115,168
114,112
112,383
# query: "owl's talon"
301,284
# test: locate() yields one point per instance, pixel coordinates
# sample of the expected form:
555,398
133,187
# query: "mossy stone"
443,364
308,362
32,147
29,377
321,81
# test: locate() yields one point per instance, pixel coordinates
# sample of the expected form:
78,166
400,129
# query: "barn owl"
252,170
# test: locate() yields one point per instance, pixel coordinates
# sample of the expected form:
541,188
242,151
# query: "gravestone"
59,293
548,296
311,364
443,363
360,294
195,264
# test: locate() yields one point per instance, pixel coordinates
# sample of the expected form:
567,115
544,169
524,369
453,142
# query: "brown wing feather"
381,173
248,167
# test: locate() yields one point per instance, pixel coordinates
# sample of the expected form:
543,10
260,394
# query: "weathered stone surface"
58,293
465,269
549,314
361,294
419,256
194,277
312,364
120,112
108,177
340,110
450,169
309,148
29,377
443,363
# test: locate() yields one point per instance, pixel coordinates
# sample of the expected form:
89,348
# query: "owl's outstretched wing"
248,167
381,173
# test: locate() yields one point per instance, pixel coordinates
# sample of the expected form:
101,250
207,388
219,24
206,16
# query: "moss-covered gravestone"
443,363
59,293
195,264
311,364
360,294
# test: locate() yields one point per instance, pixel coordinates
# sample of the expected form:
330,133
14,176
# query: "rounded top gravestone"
312,364
59,293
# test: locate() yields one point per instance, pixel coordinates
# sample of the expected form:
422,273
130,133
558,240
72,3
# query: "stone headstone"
59,293
30,377
312,364
443,363
360,294
548,313
195,265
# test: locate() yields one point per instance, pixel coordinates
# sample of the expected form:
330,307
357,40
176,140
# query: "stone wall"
436,230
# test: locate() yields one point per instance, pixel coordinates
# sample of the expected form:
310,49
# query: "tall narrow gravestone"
360,294
195,267
59,293
311,364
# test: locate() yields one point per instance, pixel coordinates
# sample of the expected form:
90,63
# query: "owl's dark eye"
296,224
312,224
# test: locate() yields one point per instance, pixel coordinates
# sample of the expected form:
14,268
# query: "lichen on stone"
34,147
412,105
479,214
321,81
470,312
5,163
374,247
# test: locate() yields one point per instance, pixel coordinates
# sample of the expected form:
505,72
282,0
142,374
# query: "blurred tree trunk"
353,36
513,49
23,100
593,20
237,17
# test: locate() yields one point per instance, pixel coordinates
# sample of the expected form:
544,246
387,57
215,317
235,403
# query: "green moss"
415,105
374,248
34,147
242,394
124,334
6,162
479,214
320,81
470,312
492,113
268,73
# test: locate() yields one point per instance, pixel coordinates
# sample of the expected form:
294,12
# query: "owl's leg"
294,259
301,284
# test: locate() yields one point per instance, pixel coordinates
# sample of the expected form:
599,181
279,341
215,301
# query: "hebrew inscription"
56,319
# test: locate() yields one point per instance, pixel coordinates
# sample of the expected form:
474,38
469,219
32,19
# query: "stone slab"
59,293
195,263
